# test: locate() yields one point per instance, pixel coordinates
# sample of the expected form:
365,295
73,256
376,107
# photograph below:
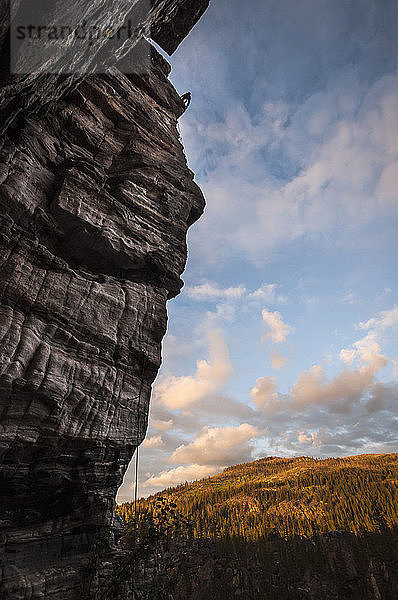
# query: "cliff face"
95,202
335,566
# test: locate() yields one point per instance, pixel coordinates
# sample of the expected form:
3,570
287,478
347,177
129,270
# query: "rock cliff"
336,566
95,202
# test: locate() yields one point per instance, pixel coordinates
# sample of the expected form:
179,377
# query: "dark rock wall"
333,566
95,202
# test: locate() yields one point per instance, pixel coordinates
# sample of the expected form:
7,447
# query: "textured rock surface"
334,566
95,202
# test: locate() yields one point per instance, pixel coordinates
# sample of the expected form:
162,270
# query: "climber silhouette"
186,98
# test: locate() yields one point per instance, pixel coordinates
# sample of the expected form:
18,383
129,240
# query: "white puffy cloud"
153,442
211,375
217,445
181,474
265,394
366,351
278,330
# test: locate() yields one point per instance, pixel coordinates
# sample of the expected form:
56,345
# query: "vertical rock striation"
95,202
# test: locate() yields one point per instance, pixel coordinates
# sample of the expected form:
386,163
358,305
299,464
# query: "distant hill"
288,528
291,496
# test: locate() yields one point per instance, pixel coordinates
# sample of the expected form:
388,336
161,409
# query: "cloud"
328,170
178,475
365,351
387,186
211,291
353,411
349,298
159,425
357,433
369,426
313,438
211,375
278,329
153,442
292,135
351,385
217,445
386,319
395,367
320,415
277,360
267,293
208,291
347,390
382,397
313,388
265,394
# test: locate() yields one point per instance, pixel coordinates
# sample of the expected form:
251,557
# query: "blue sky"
284,340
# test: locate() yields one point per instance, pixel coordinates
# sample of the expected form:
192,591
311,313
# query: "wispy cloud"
385,319
209,291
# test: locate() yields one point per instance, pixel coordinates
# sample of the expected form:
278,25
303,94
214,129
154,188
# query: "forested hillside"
283,528
290,496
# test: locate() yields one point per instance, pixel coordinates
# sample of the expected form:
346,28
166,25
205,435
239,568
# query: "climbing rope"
144,362
130,558
136,497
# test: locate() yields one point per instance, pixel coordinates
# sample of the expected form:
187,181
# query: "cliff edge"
95,202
